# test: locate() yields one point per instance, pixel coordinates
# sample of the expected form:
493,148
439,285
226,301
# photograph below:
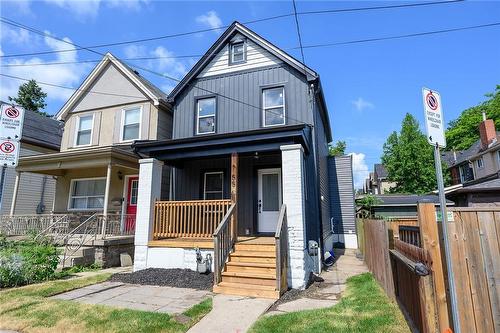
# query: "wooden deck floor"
206,243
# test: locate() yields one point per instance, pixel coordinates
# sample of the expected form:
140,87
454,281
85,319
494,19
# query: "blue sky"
368,86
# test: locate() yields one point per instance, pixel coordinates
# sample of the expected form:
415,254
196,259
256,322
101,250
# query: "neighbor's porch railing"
21,225
224,239
281,240
193,219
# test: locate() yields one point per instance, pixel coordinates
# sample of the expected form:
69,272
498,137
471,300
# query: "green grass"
28,309
363,308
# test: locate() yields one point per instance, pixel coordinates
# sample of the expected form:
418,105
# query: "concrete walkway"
232,314
137,297
327,293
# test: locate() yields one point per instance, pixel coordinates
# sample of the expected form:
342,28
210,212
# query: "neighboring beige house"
96,169
41,135
377,181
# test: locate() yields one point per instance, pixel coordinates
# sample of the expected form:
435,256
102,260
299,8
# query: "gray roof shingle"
41,130
380,170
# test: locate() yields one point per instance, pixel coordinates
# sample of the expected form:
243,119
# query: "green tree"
464,131
409,160
31,97
338,149
366,204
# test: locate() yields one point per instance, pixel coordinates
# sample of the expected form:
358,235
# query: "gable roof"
234,28
146,87
463,156
380,170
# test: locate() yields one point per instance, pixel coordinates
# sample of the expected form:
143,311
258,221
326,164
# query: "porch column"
14,194
150,173
234,191
292,164
106,200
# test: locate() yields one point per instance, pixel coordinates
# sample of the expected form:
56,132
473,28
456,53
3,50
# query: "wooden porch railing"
224,238
193,219
281,240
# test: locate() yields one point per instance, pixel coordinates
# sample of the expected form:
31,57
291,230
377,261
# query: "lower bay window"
87,194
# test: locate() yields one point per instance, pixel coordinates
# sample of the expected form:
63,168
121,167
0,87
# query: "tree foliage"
366,204
463,132
338,149
31,97
409,160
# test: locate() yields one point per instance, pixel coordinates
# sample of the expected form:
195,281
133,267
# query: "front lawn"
28,309
363,308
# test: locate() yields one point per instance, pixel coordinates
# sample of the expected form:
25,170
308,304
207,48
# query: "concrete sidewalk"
232,314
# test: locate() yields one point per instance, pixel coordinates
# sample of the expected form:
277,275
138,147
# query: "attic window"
237,52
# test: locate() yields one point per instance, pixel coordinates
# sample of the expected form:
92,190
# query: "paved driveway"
138,297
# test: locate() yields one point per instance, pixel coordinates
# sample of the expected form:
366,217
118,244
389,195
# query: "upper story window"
480,163
237,52
131,127
205,115
84,130
498,158
273,105
87,194
466,173
213,185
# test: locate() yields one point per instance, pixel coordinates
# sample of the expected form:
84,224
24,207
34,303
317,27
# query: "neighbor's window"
465,173
238,52
213,184
273,100
87,194
480,163
498,157
84,130
205,118
134,190
131,124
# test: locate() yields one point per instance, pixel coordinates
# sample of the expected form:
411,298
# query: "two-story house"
249,180
95,170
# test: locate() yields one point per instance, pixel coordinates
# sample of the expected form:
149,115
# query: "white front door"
269,199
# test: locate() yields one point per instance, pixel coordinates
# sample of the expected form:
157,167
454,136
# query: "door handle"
260,208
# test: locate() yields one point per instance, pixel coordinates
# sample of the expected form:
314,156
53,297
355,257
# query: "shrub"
27,261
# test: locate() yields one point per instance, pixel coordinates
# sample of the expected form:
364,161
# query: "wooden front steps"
251,269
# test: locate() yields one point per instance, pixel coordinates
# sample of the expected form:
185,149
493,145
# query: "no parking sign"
9,152
11,127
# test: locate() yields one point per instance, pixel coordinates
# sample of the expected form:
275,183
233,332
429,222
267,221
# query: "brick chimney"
487,132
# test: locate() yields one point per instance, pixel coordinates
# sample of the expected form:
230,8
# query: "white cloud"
211,20
68,75
82,9
360,104
359,169
15,36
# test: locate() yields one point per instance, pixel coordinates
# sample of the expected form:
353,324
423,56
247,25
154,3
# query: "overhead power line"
270,18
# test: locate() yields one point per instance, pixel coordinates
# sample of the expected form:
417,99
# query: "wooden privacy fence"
191,219
418,267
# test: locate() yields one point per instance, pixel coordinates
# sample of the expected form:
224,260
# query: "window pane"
238,52
133,192
85,123
79,203
206,125
96,202
213,196
83,137
89,187
213,182
130,132
270,192
206,107
274,116
273,97
97,187
132,116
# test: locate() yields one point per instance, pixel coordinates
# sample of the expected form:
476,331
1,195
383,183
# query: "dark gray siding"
245,87
342,194
322,152
165,120
189,182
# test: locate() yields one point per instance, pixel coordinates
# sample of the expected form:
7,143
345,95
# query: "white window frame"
498,158
264,108
205,184
77,130
482,163
122,123
231,53
70,194
198,117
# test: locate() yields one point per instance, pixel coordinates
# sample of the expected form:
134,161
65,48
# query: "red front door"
132,188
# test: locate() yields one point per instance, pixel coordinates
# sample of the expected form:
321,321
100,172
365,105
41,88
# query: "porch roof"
57,163
260,140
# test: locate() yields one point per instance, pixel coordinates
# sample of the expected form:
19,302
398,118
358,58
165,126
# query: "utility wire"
275,17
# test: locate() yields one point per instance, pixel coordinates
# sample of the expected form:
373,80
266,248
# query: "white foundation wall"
350,241
161,257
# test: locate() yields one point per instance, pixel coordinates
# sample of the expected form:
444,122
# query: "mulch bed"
179,278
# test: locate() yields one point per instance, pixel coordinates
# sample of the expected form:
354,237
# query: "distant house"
41,135
377,181
475,171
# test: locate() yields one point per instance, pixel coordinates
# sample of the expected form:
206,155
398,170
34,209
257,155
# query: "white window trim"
482,163
264,108
71,186
198,117
205,183
231,53
77,129
129,203
122,123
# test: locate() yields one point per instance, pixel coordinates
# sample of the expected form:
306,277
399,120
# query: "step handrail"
41,233
224,240
281,241
85,237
